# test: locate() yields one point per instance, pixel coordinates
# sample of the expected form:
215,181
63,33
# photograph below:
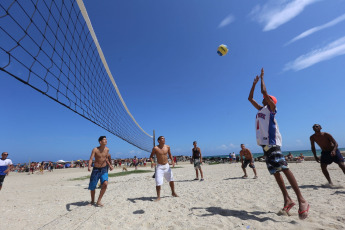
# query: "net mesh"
47,45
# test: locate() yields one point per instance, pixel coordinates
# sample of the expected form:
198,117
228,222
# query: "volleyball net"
52,47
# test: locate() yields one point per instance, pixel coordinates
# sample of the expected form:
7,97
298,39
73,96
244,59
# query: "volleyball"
222,50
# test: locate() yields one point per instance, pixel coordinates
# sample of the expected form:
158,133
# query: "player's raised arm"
251,94
264,92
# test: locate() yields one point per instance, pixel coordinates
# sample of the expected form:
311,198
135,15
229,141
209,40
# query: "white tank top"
267,130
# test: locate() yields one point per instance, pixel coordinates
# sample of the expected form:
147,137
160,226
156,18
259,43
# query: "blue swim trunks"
275,160
98,174
326,157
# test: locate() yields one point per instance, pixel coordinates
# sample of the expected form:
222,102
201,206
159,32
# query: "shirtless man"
163,168
100,169
330,152
248,159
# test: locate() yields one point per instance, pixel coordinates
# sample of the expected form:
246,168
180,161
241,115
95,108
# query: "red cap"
274,99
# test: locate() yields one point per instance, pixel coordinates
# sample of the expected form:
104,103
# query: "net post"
154,138
155,159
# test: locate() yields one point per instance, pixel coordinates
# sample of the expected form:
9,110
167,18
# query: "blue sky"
163,57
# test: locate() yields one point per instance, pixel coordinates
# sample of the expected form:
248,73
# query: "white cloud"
276,13
223,147
331,50
318,28
227,147
135,152
226,21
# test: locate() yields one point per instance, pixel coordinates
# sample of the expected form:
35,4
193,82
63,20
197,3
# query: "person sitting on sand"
100,169
330,152
301,156
290,156
269,138
197,159
162,167
248,159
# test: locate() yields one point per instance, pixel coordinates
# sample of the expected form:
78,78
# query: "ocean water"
306,153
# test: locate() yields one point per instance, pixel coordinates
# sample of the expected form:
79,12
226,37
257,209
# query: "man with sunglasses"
5,167
330,152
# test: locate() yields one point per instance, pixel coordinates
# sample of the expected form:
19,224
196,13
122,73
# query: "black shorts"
2,178
247,162
326,157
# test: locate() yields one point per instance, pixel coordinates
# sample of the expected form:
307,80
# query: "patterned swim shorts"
197,164
275,160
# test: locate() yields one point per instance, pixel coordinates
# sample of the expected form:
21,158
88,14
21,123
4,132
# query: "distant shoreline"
296,153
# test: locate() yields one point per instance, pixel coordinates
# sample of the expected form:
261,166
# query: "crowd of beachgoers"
127,163
50,165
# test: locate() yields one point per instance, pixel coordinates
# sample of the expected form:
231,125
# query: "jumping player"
269,138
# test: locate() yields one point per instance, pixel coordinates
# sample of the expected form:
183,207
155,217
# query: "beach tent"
61,161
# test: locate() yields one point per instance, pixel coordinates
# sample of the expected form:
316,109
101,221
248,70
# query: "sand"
223,201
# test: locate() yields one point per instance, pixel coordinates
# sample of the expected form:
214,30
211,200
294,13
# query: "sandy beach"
223,201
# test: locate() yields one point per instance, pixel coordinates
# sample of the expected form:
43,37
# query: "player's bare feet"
99,204
174,194
158,199
91,203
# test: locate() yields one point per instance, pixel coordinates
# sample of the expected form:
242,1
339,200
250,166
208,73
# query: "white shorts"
163,170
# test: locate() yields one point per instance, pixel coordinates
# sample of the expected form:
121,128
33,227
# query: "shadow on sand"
338,192
315,187
133,200
184,180
79,204
139,212
241,214
235,178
